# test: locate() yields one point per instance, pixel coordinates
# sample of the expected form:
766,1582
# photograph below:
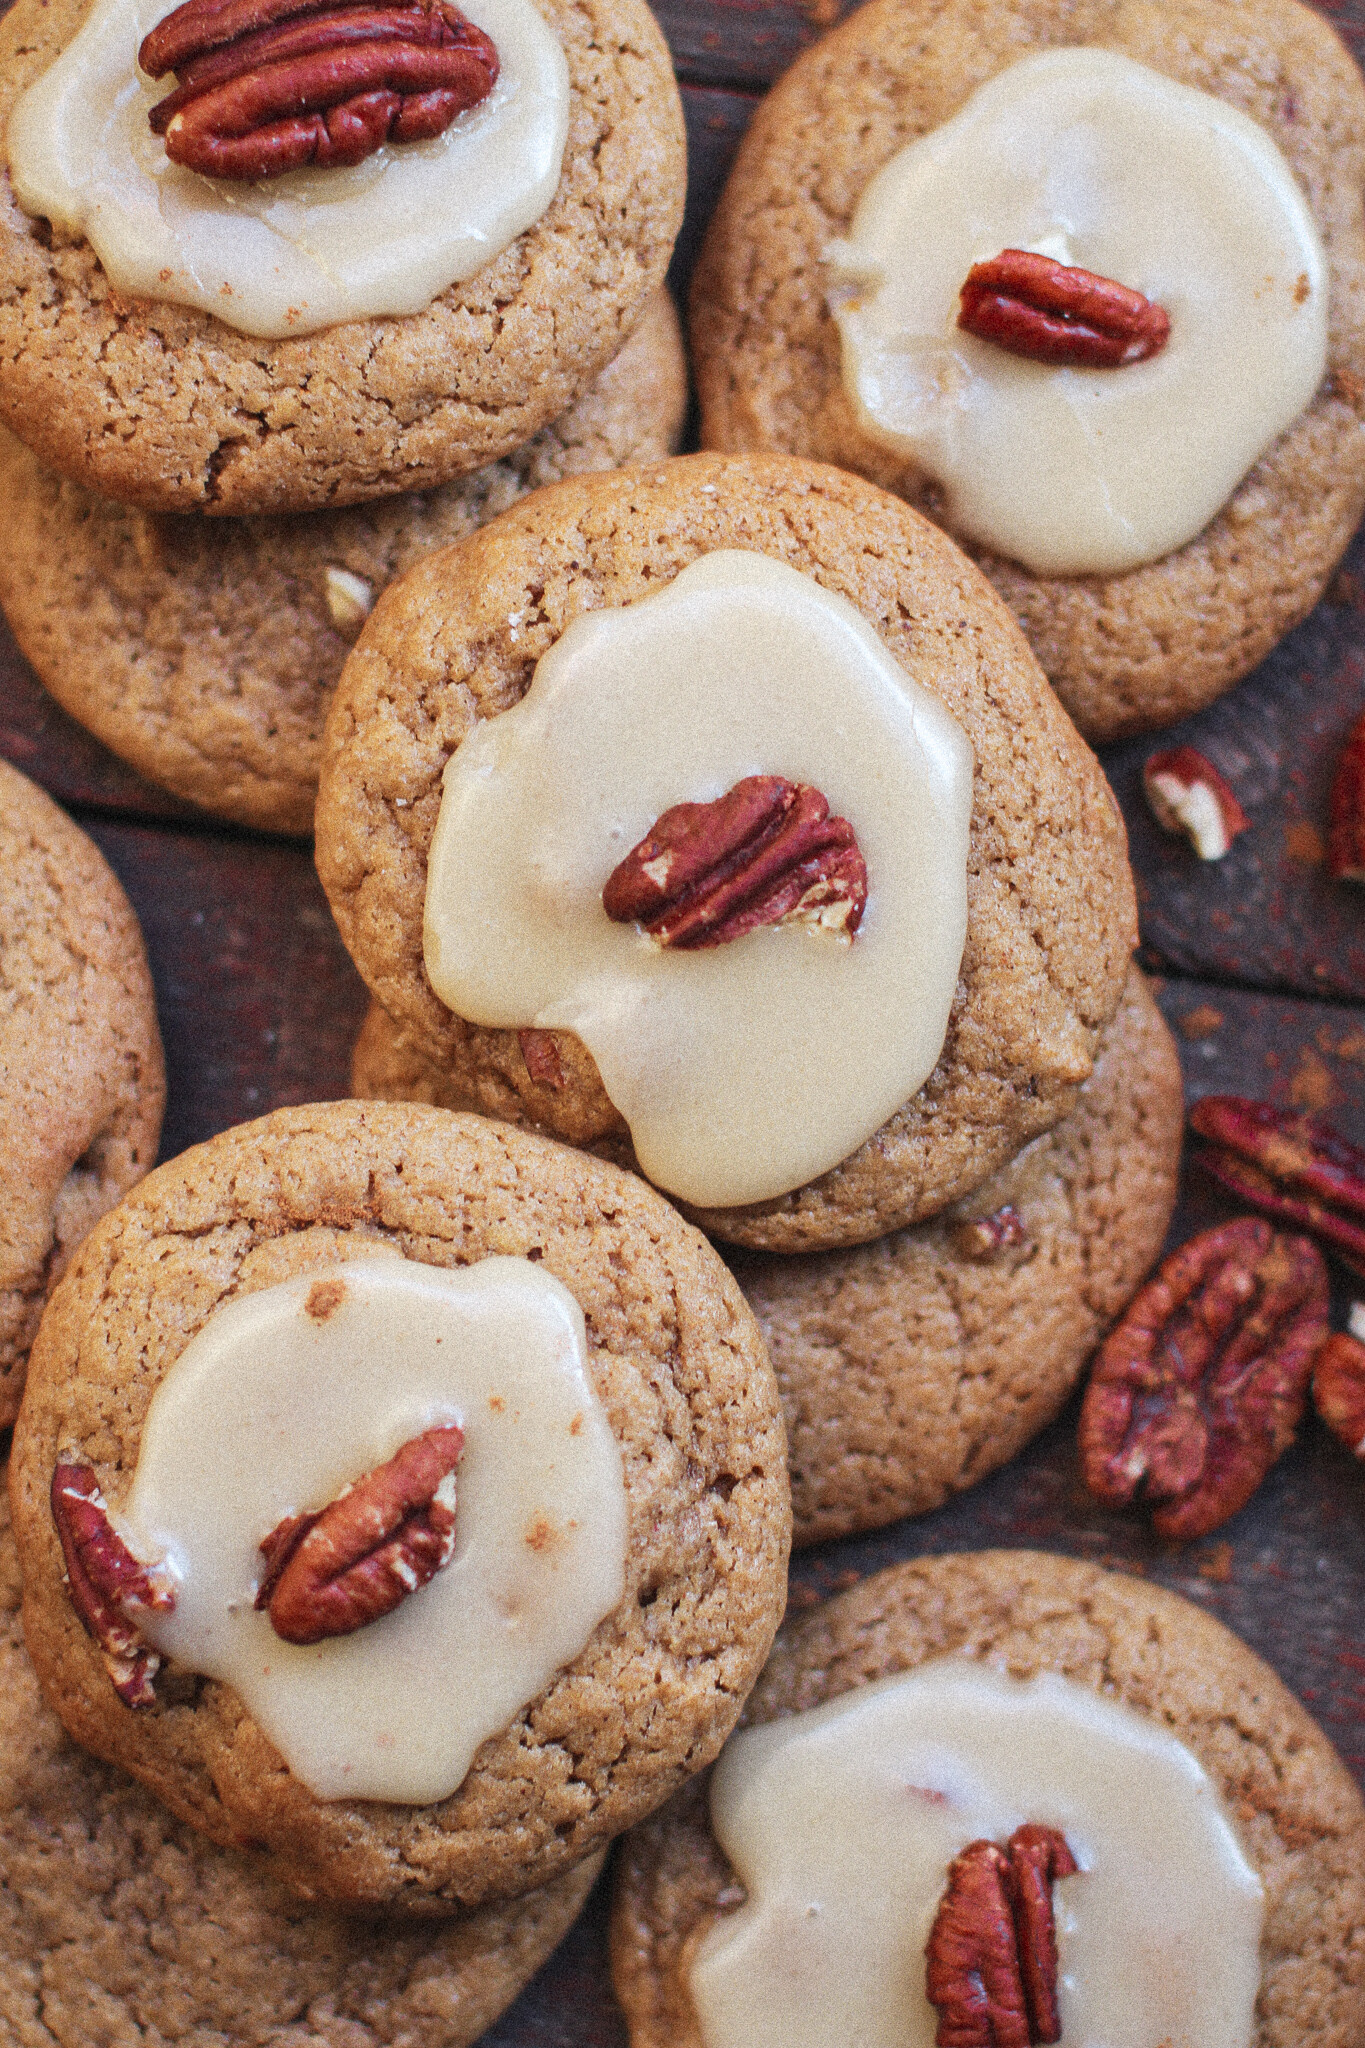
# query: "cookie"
82,1081
207,655
1129,650
122,1922
911,1367
687,1528
1049,907
1297,1813
167,407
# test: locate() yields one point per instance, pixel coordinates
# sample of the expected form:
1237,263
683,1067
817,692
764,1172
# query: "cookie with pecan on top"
1057,1657
486,1418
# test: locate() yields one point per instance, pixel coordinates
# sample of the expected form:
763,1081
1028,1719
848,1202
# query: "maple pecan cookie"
573,1451
120,1921
1060,1660
1014,976
798,248
404,381
911,1367
82,1083
207,655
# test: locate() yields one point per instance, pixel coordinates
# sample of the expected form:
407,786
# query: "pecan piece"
1291,1167
541,1057
328,1572
1056,313
1186,793
767,852
1201,1386
1346,811
981,1237
991,1957
1339,1389
268,86
104,1579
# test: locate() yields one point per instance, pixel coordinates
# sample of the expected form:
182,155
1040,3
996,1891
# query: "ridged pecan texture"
268,86
1339,1389
1057,313
767,852
104,1580
991,1958
1201,1386
1293,1168
330,1572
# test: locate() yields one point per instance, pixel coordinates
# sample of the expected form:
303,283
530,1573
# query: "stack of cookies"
202,373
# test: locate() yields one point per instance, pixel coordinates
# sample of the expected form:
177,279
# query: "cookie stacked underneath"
930,1295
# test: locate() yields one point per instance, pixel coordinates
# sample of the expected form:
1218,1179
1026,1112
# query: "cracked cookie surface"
82,1081
164,407
1297,1811
119,1922
1051,920
205,653
1129,652
678,1364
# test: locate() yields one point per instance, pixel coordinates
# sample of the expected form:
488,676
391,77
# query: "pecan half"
104,1579
767,852
1291,1167
1056,313
329,1572
1346,810
1339,1389
991,1958
1201,1386
268,86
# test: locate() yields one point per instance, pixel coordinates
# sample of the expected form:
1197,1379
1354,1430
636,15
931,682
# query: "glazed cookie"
457,1306
912,1367
121,1923
814,638
1109,1716
345,332
207,655
82,1084
802,345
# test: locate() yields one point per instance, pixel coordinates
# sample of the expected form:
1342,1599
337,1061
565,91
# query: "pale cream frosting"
841,1823
1098,161
744,1069
270,1411
293,254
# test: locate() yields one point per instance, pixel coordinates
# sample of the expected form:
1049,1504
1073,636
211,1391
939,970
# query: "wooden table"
1261,967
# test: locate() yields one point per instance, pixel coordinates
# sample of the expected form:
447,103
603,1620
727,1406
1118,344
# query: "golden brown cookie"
911,1367
1051,914
1124,652
82,1082
678,1363
1298,1812
207,655
162,406
119,1922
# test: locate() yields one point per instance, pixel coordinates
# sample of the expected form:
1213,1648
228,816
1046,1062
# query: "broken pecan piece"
1186,793
767,852
541,1057
329,1572
1056,313
268,86
104,1579
981,1237
991,1958
1339,1389
1291,1167
1201,1386
1346,810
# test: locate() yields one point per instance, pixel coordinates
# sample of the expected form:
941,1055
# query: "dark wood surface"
1262,974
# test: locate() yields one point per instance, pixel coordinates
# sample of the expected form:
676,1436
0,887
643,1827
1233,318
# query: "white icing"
841,1823
1091,158
288,255
269,1412
745,1069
